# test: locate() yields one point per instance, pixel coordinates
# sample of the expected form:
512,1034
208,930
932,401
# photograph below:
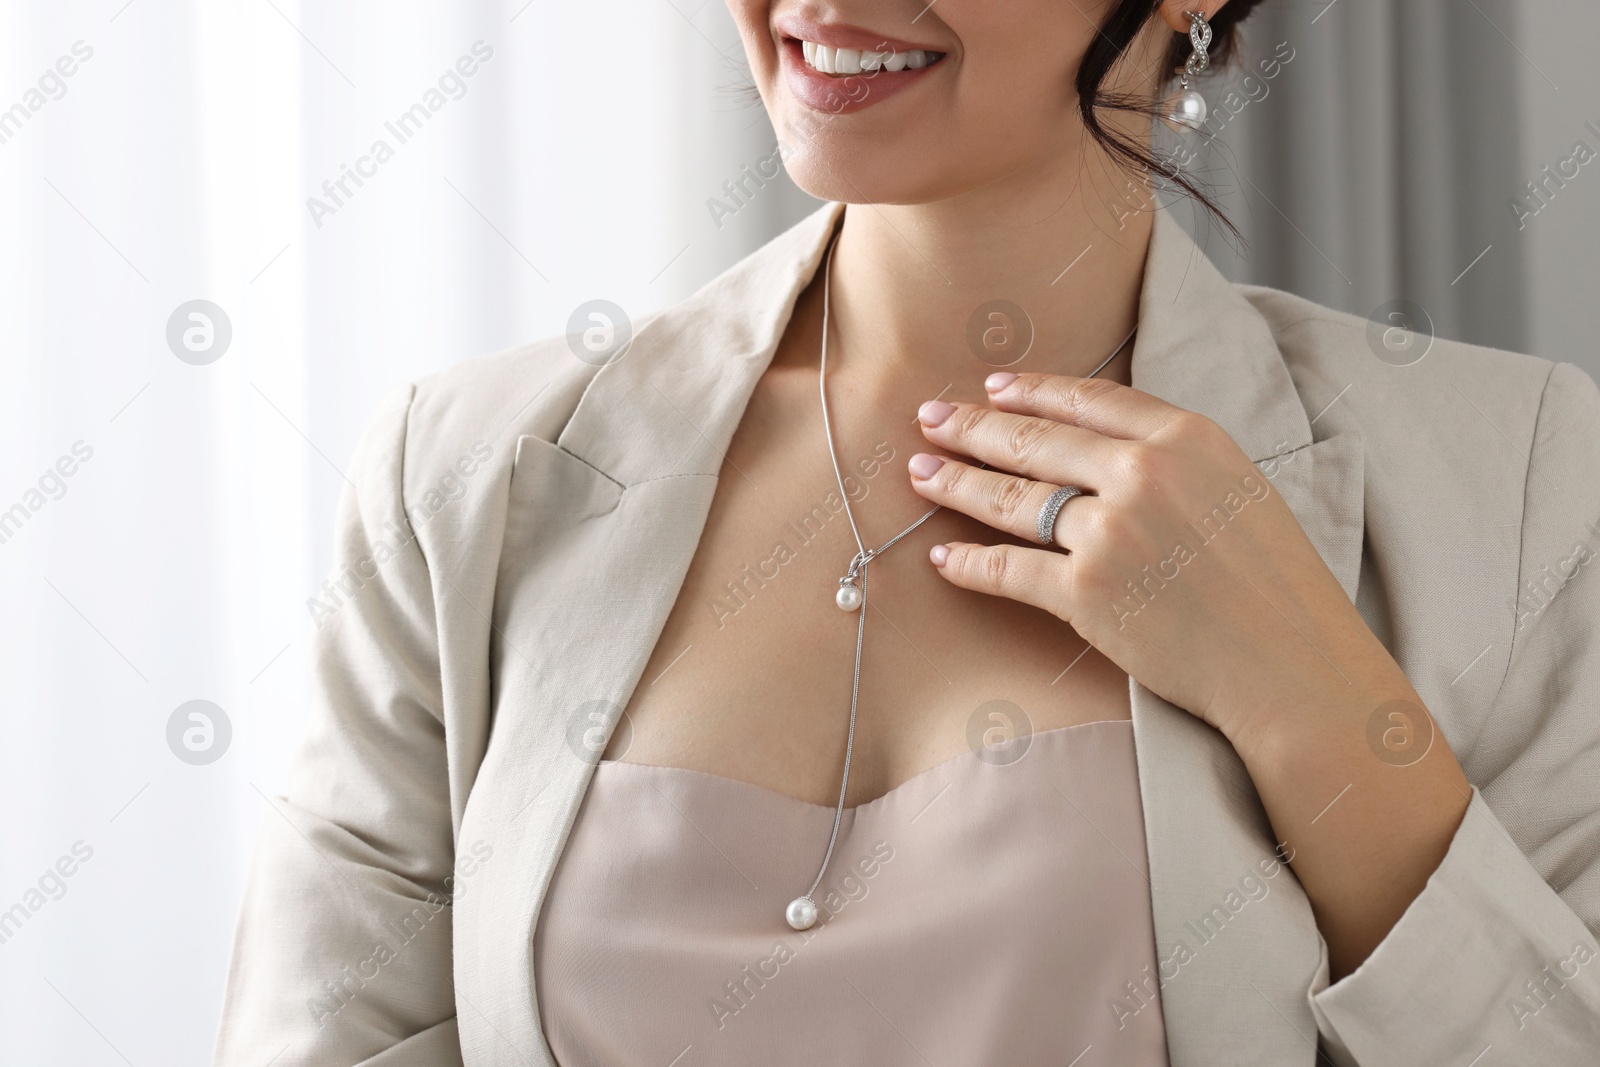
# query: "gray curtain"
1390,159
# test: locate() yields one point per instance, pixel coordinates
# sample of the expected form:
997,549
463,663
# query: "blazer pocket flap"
548,482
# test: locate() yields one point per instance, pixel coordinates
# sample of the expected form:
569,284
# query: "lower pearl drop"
1185,110
849,599
801,913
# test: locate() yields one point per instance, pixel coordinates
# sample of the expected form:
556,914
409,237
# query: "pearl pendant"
801,913
849,599
1185,109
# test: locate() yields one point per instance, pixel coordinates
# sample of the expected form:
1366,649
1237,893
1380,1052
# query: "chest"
752,675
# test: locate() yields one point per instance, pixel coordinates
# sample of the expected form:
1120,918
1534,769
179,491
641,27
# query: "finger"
1001,500
1098,404
1035,576
1040,448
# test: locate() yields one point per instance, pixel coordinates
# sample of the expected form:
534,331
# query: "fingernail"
996,382
924,466
939,553
934,412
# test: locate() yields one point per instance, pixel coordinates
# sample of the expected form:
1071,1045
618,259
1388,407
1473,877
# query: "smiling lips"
840,69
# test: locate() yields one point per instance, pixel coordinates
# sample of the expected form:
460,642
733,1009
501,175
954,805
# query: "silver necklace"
852,596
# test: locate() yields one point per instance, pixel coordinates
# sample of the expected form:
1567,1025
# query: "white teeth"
825,60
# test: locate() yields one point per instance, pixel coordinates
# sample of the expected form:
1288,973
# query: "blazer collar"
598,524
691,369
1203,347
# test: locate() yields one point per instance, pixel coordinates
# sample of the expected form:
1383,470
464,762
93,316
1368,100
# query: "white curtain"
166,501
173,164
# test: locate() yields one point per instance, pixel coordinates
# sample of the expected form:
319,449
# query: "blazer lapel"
1237,945
601,525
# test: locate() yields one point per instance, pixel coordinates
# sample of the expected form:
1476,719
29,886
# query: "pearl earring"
1185,109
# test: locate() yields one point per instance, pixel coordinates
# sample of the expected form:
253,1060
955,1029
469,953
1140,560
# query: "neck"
909,282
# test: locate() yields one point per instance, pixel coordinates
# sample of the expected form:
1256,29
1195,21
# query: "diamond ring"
1046,531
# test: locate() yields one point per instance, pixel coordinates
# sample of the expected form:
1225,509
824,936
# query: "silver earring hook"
1200,42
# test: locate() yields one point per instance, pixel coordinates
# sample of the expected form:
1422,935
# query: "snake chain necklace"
852,596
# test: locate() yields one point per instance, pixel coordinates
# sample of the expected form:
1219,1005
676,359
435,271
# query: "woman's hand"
1182,564
1187,569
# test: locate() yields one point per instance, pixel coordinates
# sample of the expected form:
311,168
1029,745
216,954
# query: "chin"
864,172
918,158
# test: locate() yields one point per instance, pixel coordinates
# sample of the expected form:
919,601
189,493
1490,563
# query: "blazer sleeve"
342,953
1499,950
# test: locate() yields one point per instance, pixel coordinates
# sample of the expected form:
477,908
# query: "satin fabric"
993,910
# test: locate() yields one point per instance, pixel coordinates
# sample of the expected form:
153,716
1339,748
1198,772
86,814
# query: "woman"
1238,703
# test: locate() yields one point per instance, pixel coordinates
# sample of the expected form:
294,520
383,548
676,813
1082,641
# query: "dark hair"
1108,46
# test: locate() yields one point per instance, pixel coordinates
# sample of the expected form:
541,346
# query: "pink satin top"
987,913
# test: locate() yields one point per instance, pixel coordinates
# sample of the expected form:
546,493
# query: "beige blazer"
519,526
